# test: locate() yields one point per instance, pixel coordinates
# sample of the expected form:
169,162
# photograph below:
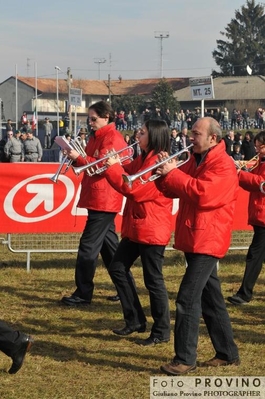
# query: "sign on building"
202,88
76,97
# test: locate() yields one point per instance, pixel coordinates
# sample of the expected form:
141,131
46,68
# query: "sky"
38,35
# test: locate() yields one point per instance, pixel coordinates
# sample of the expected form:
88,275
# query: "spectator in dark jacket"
248,147
229,142
174,141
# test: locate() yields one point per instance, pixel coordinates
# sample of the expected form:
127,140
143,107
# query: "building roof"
231,88
100,87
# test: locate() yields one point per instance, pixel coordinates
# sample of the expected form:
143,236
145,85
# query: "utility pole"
109,78
99,61
161,36
57,96
109,89
69,83
28,65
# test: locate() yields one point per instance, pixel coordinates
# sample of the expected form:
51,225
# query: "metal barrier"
68,243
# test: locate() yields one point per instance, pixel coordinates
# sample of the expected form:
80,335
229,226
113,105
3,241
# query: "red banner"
32,203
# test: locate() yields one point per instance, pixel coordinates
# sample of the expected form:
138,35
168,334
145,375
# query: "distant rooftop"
100,87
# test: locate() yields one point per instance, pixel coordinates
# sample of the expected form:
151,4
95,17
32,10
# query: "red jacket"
147,216
207,195
96,193
250,181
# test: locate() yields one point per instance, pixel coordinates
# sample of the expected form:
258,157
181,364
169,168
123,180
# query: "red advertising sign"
32,203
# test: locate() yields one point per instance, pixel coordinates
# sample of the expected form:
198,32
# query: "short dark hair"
158,136
250,133
103,110
260,137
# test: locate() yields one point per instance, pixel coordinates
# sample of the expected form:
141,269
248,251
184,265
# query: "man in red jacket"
101,201
207,186
256,217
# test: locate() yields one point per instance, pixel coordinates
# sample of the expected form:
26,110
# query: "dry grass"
76,356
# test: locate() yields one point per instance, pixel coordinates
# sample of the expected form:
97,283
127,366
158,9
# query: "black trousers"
99,236
152,257
10,340
254,260
200,294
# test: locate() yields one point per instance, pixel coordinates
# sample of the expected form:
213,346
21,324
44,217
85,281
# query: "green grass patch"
76,355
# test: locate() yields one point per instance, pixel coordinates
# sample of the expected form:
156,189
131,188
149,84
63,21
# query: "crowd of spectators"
234,119
238,147
179,122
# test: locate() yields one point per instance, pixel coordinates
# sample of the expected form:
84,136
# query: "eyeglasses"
93,118
259,147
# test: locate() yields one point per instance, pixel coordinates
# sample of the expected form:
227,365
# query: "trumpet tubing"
130,179
253,163
93,169
75,145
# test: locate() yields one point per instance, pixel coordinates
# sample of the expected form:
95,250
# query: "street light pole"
161,36
57,97
99,61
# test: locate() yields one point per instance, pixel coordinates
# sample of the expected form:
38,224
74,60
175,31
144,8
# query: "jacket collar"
105,129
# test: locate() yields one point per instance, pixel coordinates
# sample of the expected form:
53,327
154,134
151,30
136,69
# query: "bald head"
206,133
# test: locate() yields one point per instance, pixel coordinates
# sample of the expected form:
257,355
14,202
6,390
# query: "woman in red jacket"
146,230
101,201
256,218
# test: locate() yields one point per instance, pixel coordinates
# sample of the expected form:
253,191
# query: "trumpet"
132,178
249,165
92,168
75,145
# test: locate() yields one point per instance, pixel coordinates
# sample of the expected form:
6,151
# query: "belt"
16,153
29,153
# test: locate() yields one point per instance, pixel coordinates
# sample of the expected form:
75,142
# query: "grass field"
76,356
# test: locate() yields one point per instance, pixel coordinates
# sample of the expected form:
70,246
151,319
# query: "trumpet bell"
55,178
262,187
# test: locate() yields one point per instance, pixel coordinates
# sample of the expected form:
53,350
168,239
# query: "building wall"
8,95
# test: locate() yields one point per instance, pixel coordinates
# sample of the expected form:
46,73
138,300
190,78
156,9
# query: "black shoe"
19,356
73,300
129,330
237,300
151,341
113,298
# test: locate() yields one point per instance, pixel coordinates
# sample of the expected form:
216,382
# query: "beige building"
92,91
231,92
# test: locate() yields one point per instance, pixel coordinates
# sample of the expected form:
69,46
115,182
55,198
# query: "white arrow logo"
41,196
44,193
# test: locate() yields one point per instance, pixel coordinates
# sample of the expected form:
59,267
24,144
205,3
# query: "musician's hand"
72,154
162,155
112,160
166,167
